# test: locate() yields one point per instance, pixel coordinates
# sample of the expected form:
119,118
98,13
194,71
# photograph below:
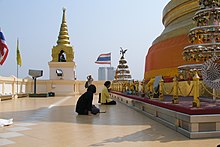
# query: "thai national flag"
104,59
3,48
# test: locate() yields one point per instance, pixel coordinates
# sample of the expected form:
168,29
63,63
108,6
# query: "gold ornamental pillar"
121,87
136,87
196,101
175,99
161,87
150,88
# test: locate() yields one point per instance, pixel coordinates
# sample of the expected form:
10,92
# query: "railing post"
143,86
3,87
175,99
132,87
150,88
137,87
121,87
196,101
161,86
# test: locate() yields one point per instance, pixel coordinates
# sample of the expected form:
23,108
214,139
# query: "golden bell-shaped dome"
165,55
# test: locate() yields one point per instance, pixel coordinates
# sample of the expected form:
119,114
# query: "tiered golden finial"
63,51
63,38
122,72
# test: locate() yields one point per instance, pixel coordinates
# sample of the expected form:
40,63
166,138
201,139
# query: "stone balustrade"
12,86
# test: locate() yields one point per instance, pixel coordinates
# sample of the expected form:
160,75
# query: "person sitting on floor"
105,97
84,104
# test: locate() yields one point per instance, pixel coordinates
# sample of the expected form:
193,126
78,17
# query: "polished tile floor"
52,122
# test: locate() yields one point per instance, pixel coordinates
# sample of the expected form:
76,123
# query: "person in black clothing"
84,104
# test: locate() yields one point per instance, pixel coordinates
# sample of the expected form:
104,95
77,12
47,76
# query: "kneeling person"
84,104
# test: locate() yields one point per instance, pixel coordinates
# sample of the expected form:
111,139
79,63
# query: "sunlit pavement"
52,122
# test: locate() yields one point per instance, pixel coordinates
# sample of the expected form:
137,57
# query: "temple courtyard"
52,122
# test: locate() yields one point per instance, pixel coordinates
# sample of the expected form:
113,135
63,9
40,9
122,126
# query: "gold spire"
63,38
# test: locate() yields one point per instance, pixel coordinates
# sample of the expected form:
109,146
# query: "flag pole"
17,65
19,62
110,59
17,79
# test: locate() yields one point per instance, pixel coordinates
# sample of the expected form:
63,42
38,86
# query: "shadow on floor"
115,115
150,134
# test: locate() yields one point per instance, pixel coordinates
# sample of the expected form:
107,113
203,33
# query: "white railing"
12,86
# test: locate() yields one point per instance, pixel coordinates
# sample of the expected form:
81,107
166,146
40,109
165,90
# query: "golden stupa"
63,65
63,43
165,54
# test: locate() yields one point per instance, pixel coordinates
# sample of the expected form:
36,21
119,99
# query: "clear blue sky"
95,27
